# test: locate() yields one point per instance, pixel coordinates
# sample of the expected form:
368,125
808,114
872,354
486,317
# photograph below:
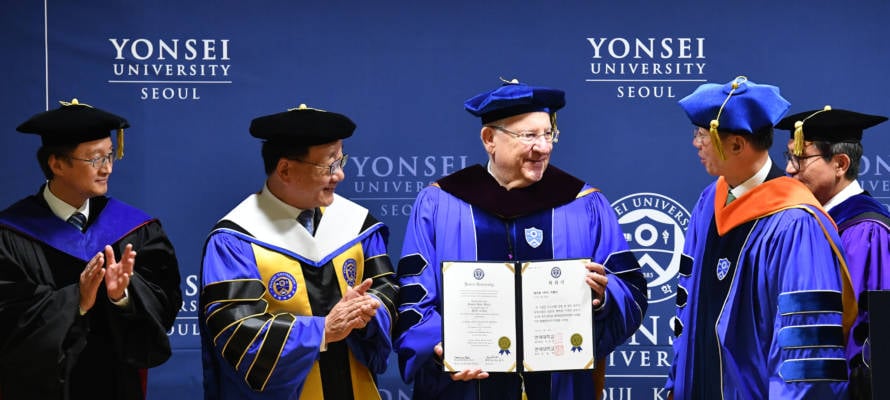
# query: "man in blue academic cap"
89,286
480,213
764,301
823,153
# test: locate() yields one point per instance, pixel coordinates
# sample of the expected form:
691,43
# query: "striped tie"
78,220
306,218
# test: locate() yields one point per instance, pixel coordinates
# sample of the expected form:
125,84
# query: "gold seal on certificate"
504,345
544,306
576,341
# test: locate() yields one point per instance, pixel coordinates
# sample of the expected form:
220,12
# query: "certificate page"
479,316
557,316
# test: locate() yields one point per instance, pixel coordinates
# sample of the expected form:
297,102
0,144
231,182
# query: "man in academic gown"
824,154
764,301
516,207
89,286
298,293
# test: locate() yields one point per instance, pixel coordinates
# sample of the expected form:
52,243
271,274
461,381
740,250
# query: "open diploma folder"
486,325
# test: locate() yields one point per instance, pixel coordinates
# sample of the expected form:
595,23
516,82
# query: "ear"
842,162
487,136
282,169
55,164
736,144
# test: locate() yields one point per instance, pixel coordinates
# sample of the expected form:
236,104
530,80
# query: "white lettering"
191,285
163,49
620,48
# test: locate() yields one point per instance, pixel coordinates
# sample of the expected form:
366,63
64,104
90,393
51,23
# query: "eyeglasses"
795,160
529,137
699,135
335,166
97,162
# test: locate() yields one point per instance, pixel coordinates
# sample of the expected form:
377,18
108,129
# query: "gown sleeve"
267,351
140,329
373,344
419,328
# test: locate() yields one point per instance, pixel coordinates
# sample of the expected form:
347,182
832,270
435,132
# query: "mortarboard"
827,124
739,106
514,98
74,123
302,126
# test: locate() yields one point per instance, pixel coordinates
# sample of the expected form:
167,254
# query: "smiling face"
75,180
516,164
309,182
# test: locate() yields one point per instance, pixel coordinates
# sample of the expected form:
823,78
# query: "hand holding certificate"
549,327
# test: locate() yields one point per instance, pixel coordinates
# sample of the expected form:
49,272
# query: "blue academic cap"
739,106
514,98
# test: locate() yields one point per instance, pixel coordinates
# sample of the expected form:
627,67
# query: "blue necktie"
306,218
78,220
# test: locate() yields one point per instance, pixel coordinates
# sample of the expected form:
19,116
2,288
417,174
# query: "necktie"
78,220
306,218
729,198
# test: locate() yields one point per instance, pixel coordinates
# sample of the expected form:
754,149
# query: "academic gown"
49,351
764,299
468,216
267,285
864,226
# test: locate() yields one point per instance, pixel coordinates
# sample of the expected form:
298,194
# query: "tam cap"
829,125
739,106
514,98
75,122
303,126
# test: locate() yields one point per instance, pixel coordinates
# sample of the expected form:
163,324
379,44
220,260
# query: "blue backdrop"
190,75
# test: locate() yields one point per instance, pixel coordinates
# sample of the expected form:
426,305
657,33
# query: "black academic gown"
49,351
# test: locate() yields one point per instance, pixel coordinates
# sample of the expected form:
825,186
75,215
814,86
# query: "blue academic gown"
764,301
467,216
267,285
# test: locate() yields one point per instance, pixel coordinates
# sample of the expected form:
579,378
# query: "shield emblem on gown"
722,268
534,237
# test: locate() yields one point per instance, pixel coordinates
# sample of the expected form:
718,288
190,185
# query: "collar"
753,181
851,190
477,187
62,209
280,206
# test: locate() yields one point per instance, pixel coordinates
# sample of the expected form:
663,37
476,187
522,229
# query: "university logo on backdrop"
654,227
169,69
647,68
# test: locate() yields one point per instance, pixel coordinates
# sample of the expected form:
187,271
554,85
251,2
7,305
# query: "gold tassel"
522,383
715,123
798,131
120,144
715,138
798,138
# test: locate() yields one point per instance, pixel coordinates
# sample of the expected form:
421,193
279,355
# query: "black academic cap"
829,125
302,126
514,98
74,123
